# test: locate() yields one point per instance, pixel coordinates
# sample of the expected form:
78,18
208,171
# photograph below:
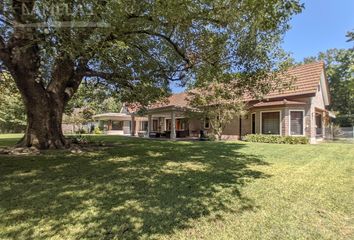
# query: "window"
168,124
144,125
253,123
117,125
184,124
181,124
318,124
206,123
296,122
155,124
270,123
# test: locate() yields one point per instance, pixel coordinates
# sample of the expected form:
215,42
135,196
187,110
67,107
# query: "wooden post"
132,125
173,125
163,124
149,124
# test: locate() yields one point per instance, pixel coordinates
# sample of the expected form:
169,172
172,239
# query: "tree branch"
166,38
91,73
6,22
4,51
108,77
2,43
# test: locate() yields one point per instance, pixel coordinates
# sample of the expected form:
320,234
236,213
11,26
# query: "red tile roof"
305,81
175,100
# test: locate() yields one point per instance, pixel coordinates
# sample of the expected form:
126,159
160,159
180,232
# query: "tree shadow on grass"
10,140
140,189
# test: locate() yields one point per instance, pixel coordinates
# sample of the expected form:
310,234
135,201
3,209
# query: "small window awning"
278,103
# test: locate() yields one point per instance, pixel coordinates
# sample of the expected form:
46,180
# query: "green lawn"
144,189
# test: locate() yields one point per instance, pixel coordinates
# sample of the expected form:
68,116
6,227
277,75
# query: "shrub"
80,139
344,120
276,139
97,131
211,137
81,131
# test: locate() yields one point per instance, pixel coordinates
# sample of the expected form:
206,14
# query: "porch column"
109,125
163,124
312,122
149,124
173,125
132,125
323,119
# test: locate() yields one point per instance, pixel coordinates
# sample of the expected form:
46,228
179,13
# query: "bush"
344,120
276,139
97,131
211,137
81,131
80,139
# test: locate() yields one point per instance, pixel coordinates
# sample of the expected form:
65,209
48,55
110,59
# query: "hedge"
276,139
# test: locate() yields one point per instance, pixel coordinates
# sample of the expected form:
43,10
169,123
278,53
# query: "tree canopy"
217,103
340,73
137,47
12,111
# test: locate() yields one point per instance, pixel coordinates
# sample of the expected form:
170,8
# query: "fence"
344,133
340,133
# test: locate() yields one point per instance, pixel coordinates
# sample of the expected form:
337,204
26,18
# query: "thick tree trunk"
44,101
44,125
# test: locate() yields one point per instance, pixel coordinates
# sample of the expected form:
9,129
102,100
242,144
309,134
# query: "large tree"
217,103
50,46
340,73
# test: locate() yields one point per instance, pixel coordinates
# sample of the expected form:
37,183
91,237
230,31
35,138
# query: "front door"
319,124
253,123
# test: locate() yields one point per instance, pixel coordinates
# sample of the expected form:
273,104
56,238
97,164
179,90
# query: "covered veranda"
171,122
114,123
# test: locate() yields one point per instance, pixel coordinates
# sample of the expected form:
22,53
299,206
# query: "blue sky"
322,25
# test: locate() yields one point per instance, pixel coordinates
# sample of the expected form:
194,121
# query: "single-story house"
298,111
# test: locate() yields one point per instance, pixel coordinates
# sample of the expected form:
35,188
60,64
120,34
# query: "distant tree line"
90,99
340,74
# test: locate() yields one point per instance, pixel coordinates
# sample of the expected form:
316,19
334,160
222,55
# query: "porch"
171,123
322,120
120,123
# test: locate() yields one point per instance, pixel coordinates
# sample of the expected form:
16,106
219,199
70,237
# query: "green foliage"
12,111
81,131
219,103
147,44
97,130
144,46
276,139
344,120
95,98
91,99
340,73
350,36
80,139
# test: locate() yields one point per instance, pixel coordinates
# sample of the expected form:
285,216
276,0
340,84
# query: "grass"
145,189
